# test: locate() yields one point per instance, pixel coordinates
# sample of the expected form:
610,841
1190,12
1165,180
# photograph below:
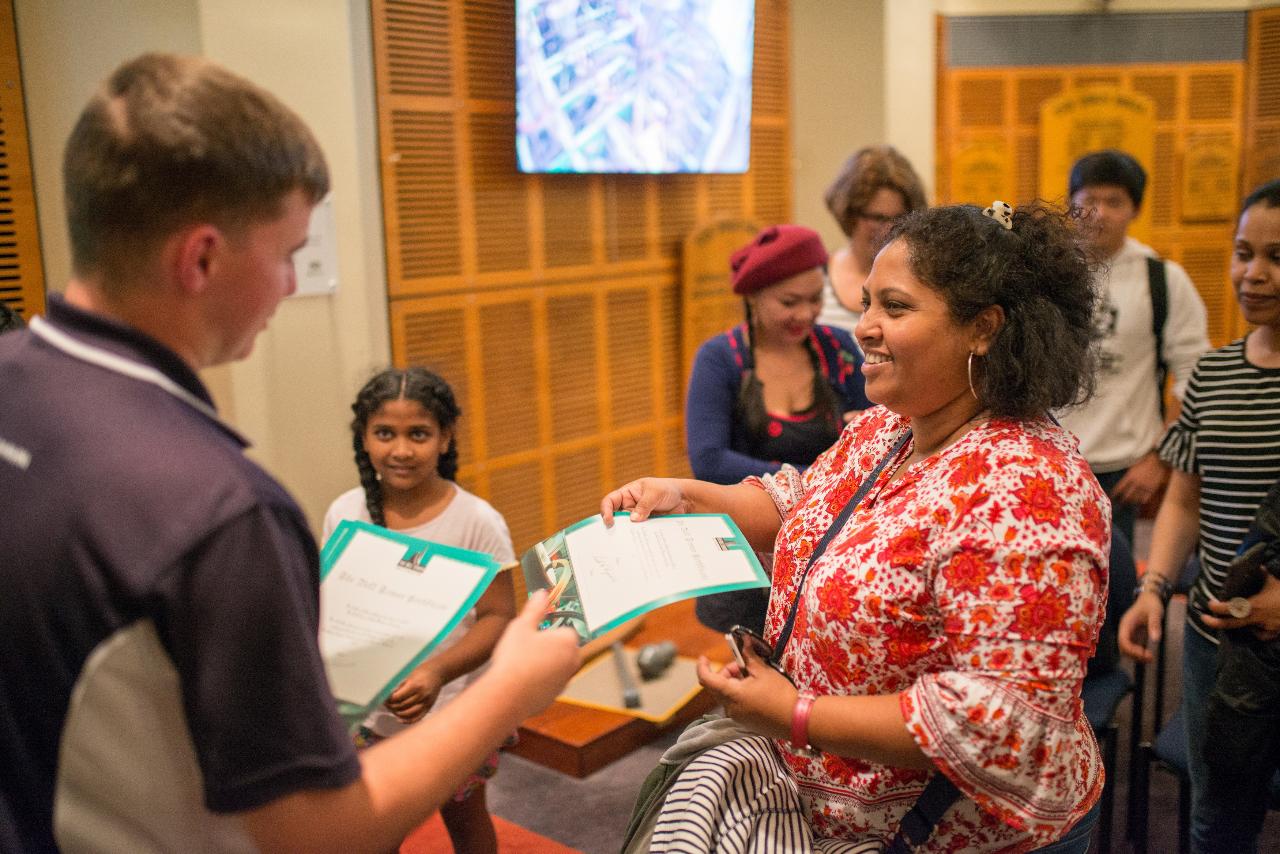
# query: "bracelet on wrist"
800,721
1154,584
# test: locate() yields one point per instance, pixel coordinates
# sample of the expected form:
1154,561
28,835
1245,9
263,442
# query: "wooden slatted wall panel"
550,302
21,270
1262,131
999,109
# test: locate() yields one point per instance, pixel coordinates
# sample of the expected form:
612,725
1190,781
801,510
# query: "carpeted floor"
432,838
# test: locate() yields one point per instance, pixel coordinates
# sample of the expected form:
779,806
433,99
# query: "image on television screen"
633,85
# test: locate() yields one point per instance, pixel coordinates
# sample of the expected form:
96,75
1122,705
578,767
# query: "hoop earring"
970,372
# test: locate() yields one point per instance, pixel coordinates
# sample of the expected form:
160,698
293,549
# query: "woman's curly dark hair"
1043,357
417,384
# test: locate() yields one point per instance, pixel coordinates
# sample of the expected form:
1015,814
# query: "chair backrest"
1122,578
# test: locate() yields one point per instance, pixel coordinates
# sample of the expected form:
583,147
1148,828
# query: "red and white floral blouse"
974,587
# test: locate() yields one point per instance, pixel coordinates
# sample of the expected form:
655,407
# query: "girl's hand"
415,696
1139,629
644,497
1264,612
761,699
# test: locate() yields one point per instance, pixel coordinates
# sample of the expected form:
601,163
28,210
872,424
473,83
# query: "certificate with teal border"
601,577
386,601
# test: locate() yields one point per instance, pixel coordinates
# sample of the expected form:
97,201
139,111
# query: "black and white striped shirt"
1229,435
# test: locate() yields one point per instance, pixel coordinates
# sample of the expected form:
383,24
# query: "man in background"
161,688
1151,322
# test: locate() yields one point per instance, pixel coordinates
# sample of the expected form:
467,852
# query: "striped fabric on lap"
737,798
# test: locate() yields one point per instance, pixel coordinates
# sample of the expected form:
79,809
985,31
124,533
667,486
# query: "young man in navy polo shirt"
160,683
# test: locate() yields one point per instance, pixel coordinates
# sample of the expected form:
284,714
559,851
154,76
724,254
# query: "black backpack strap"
1159,287
918,824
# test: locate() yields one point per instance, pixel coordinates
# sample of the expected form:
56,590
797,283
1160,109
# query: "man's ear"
985,327
194,253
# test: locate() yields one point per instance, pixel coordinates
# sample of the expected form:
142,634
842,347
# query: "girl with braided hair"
405,441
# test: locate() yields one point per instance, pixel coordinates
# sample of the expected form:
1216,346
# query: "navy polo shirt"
159,669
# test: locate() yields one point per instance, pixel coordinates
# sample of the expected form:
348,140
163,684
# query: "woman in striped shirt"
1225,453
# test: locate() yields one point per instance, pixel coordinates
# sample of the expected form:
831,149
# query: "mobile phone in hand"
737,651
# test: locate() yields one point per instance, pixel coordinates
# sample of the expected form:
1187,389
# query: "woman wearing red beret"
773,390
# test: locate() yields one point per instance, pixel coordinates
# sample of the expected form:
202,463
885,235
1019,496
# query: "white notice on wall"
316,263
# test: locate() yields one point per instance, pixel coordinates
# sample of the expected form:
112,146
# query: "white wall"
837,95
291,397
66,48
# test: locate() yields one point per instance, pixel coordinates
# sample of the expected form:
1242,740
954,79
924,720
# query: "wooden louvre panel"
491,48
626,217
630,339
1263,157
725,194
980,102
1265,61
21,272
566,220
426,194
1031,92
677,212
1207,267
1028,169
770,92
575,410
500,198
677,455
1085,80
508,377
673,378
634,457
433,340
1211,96
578,483
1262,135
769,167
416,52
1162,181
516,491
1162,89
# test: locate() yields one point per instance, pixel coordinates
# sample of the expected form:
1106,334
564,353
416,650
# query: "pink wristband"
800,721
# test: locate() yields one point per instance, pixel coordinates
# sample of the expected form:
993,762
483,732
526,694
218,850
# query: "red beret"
776,253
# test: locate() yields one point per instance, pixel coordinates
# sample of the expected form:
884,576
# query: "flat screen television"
651,86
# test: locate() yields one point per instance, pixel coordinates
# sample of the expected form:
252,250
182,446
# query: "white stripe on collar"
120,365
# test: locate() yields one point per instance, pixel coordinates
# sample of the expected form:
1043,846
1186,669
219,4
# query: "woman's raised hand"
644,497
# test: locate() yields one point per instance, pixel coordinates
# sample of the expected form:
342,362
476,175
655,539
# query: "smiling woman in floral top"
941,632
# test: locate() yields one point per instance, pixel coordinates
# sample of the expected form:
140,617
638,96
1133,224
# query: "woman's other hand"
1264,613
644,497
1140,627
761,699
